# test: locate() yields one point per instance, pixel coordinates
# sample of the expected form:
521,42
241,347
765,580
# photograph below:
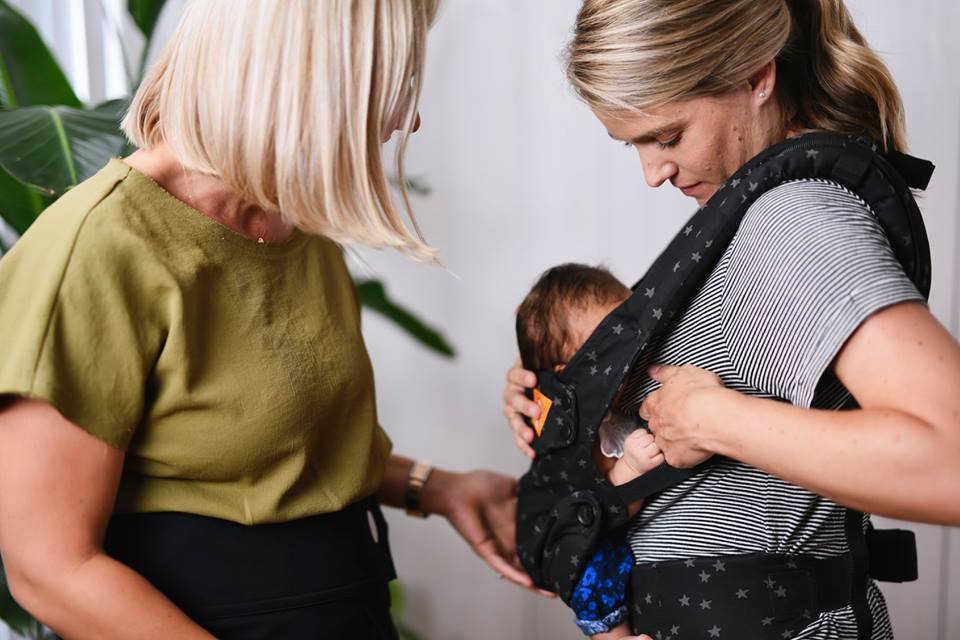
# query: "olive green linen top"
232,373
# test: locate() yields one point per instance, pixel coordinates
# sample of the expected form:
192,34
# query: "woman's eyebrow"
653,135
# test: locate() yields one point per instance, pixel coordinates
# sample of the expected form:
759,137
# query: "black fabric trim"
857,542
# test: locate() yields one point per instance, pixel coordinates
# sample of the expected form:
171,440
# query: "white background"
523,177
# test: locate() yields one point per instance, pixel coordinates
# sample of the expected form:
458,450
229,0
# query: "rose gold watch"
419,473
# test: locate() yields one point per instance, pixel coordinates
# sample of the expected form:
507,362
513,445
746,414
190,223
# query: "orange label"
544,403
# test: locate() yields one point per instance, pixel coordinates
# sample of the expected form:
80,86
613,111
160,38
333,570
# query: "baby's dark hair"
543,327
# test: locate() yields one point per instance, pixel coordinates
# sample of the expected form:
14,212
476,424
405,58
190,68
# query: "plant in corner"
50,141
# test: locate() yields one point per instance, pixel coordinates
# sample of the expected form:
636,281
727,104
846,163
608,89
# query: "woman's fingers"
488,551
520,403
647,407
516,405
521,377
524,447
662,372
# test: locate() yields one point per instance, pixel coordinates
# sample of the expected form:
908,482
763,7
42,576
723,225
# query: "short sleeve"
809,264
73,331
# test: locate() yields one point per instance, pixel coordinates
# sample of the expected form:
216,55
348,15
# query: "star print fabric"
747,596
599,599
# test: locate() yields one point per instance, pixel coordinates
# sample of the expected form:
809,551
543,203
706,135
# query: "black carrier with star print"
565,502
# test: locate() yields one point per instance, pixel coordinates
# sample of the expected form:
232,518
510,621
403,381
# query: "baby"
553,321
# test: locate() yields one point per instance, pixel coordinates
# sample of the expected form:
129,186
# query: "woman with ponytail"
807,311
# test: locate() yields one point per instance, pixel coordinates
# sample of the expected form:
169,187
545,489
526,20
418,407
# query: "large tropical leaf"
374,296
28,73
54,148
19,204
145,13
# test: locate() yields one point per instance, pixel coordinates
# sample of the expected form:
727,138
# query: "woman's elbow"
25,587
36,586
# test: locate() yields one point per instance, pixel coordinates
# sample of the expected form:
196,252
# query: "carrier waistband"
743,596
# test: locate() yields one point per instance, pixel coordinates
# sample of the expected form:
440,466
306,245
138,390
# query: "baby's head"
562,310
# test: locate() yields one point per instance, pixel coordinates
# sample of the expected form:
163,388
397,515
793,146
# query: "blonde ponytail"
833,80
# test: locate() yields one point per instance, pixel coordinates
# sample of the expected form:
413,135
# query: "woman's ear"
559,367
763,81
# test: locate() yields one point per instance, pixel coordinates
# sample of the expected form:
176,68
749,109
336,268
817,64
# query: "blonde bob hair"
638,54
289,102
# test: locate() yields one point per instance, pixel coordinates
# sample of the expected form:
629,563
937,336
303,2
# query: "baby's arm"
640,454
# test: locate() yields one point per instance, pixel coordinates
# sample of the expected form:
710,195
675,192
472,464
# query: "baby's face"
581,322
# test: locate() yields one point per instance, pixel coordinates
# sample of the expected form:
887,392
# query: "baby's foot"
641,452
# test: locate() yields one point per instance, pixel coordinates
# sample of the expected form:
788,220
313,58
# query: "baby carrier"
566,503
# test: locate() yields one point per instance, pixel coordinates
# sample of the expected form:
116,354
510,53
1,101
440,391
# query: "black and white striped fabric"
808,265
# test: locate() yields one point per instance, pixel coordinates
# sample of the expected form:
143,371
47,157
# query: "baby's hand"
640,452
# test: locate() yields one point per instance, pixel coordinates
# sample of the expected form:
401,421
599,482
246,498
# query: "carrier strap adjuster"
892,555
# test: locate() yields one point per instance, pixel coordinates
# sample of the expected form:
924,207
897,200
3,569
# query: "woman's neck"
210,196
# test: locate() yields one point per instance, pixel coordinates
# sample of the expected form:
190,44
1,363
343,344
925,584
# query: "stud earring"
763,94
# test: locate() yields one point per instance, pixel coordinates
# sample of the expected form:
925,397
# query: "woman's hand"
516,405
482,507
675,412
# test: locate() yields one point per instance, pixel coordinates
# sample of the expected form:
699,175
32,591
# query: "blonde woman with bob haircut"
808,303
189,444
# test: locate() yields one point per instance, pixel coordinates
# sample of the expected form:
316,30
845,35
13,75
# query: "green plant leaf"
11,612
145,14
19,204
373,296
29,75
54,148
414,184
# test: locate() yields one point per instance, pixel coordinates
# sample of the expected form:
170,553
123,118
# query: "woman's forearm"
100,598
876,460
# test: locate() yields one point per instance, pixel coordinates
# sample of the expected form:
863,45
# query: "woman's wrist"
417,477
434,494
713,410
436,491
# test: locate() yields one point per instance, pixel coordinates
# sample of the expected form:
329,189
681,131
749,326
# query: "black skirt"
319,577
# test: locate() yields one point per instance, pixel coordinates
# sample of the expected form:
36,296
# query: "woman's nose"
657,170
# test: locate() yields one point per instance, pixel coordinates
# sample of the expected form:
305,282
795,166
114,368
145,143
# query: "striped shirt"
808,265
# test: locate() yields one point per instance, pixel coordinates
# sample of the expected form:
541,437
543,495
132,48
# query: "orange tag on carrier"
544,403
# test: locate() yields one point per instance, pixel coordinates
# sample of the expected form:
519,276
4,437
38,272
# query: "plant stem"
64,144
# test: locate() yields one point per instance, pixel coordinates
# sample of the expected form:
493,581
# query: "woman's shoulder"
91,240
96,216
802,206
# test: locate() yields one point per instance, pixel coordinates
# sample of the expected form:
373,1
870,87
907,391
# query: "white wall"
523,178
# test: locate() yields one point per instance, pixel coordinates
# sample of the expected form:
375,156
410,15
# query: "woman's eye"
672,142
